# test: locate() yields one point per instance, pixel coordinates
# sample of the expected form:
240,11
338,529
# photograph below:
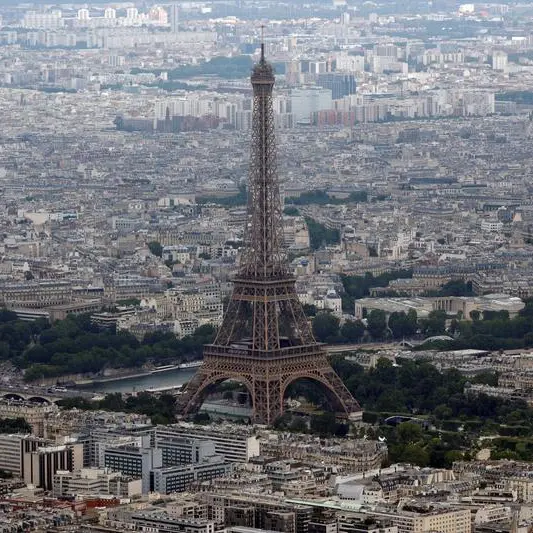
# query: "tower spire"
262,43
265,340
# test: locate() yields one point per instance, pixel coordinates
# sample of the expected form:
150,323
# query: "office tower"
265,341
174,17
134,461
340,84
41,464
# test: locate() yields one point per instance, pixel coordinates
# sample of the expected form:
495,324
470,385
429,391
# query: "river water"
170,378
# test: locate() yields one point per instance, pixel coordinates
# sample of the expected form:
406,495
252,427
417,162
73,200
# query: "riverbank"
145,373
168,379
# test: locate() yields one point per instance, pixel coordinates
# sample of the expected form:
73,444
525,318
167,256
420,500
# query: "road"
339,348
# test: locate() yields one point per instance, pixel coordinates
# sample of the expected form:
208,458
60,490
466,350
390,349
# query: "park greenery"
446,419
491,330
155,248
356,287
14,425
320,235
222,67
77,345
443,418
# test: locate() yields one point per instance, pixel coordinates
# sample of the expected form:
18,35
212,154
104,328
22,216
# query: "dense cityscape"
266,267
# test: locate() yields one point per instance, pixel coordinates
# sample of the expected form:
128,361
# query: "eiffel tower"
265,341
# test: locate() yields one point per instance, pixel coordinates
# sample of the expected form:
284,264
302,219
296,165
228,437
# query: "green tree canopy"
325,325
377,323
353,330
155,248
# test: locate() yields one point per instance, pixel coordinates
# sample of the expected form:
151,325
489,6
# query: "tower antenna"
262,43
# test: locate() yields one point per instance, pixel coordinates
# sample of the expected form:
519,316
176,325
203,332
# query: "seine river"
171,378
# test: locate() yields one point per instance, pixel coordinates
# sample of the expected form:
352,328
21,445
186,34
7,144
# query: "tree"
475,315
14,425
353,330
155,248
298,425
454,326
442,412
409,432
452,456
320,234
310,310
377,323
201,419
415,455
412,317
456,288
205,333
325,325
435,324
402,325
291,211
324,424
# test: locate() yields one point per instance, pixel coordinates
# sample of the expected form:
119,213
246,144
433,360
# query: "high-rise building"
386,50
340,83
499,60
132,13
83,14
45,21
134,461
179,450
110,13
234,447
158,14
174,17
40,465
180,477
12,450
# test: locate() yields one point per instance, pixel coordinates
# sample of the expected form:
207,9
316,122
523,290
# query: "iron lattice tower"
265,341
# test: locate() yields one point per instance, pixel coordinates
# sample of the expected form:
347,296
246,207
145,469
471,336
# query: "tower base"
266,376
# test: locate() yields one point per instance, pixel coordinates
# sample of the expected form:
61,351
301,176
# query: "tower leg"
318,369
267,401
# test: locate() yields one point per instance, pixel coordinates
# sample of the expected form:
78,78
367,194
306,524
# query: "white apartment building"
94,481
234,446
499,60
442,520
45,21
